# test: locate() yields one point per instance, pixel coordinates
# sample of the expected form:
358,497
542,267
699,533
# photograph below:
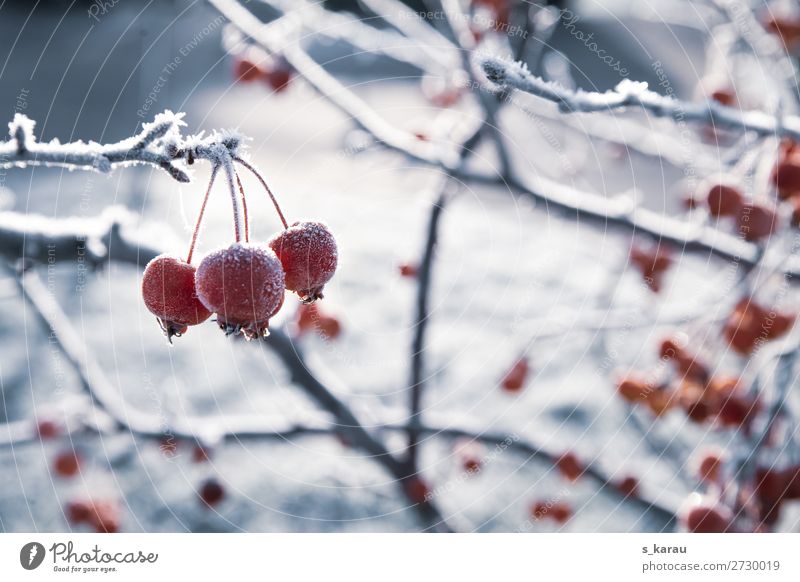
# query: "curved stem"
264,183
244,208
200,216
238,227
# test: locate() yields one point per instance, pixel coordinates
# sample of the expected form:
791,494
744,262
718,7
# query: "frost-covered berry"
244,285
169,293
307,251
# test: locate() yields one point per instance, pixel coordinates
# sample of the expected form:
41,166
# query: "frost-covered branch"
159,144
364,116
635,95
89,242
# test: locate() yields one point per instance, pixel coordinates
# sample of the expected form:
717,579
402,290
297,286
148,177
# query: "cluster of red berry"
244,283
693,389
274,70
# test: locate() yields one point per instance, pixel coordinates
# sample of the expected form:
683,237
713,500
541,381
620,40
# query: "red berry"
278,73
67,464
470,455
633,389
105,517
200,454
709,469
724,96
560,512
246,71
516,377
78,512
785,27
708,518
791,479
417,490
47,429
408,270
311,318
211,492
672,347
786,177
569,466
308,253
244,285
629,486
756,221
724,200
168,288
653,264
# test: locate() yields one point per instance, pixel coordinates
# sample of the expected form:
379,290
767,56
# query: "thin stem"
421,324
264,183
244,208
200,216
238,227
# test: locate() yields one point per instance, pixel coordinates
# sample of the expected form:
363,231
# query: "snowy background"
505,270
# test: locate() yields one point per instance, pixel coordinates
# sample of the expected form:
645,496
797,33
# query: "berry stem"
264,183
238,227
200,216
244,208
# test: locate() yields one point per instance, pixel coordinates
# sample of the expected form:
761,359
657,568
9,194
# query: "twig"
424,275
347,423
92,378
466,44
88,242
338,95
158,144
630,94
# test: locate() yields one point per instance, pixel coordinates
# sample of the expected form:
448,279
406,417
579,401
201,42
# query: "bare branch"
424,276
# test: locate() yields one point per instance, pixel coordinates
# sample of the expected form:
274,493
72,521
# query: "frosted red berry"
243,285
168,288
308,253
